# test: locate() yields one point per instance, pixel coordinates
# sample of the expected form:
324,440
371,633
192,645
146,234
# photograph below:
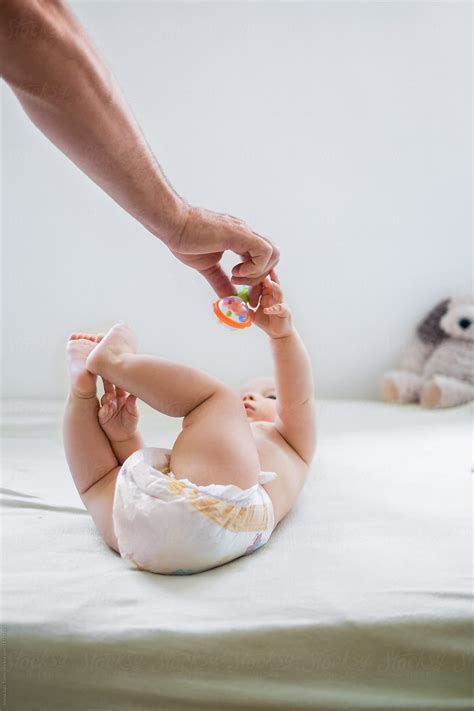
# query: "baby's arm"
296,420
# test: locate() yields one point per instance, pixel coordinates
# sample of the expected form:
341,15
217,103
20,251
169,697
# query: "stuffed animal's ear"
462,300
429,330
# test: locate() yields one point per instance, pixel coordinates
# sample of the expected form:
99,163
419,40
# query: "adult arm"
69,93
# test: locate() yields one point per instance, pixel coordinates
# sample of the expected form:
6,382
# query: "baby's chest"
274,453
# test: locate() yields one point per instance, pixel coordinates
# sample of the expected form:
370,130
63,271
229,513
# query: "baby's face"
259,398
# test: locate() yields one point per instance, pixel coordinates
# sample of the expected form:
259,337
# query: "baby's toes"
81,336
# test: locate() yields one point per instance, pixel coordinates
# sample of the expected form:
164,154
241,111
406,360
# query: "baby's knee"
229,399
98,500
219,401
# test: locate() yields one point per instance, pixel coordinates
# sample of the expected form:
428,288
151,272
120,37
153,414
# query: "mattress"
362,599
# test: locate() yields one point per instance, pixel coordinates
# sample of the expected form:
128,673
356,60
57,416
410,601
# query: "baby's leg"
216,445
91,460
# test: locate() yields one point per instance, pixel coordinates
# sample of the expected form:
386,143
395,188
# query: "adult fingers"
274,276
255,253
260,254
218,280
262,257
249,281
254,294
239,221
206,232
237,278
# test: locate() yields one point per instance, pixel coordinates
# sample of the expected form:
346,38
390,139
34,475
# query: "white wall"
340,130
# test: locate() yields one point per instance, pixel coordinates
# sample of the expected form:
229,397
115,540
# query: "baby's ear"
255,293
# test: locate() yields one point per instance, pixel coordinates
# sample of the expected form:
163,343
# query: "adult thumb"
219,280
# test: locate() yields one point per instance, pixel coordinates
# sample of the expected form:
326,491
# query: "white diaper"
169,525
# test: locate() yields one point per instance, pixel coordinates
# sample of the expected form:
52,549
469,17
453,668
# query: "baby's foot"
119,413
82,381
116,342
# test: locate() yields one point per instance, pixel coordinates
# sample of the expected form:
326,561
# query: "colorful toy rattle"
234,310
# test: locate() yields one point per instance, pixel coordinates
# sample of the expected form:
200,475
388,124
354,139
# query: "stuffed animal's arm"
416,356
428,336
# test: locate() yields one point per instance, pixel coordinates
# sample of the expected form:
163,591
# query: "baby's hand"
119,413
273,316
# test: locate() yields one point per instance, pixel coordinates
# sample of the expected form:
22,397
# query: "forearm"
123,450
293,372
68,92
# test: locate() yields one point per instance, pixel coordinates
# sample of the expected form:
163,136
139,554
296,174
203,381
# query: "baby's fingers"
131,405
273,290
108,386
112,391
107,410
280,310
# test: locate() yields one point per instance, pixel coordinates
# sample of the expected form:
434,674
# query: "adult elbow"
23,21
22,24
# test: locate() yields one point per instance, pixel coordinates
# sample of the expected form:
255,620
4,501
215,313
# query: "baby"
234,471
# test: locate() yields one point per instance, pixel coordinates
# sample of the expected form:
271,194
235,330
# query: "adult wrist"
168,217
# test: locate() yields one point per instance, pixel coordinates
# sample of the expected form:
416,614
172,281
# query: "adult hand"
206,235
64,86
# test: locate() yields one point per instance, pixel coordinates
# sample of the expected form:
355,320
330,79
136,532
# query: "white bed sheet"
361,599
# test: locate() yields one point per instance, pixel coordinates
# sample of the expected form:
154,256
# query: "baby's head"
259,398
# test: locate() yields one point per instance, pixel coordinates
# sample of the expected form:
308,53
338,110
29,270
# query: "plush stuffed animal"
437,369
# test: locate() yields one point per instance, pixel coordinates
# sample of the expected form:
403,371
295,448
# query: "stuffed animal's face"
458,321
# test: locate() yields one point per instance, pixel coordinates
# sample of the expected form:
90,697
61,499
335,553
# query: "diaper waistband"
265,477
158,459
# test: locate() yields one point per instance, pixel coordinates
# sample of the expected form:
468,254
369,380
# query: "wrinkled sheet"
361,599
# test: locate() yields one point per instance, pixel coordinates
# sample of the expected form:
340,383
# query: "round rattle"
234,310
